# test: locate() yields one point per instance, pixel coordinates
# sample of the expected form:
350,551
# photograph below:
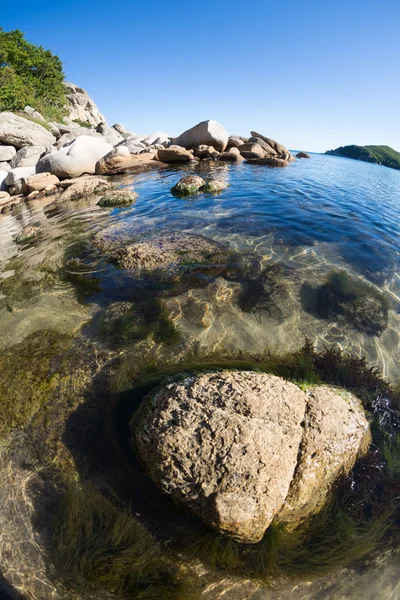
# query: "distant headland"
380,155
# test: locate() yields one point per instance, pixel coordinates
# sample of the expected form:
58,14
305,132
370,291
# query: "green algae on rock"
214,186
29,233
118,198
188,186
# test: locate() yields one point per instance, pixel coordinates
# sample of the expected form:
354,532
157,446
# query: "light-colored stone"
19,173
84,187
280,149
209,133
7,153
28,156
228,448
231,155
266,147
19,132
5,166
204,151
66,138
40,181
158,137
119,128
109,134
234,142
79,157
34,114
336,431
33,195
241,449
120,163
4,198
251,150
174,154
3,177
81,106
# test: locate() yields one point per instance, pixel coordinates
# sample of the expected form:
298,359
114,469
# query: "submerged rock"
214,186
118,198
187,186
28,233
83,187
302,155
174,154
240,449
269,161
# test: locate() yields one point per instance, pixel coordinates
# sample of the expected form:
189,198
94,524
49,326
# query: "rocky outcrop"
280,149
302,155
118,161
109,134
7,153
81,106
269,161
75,159
251,150
231,155
208,133
82,187
241,449
28,156
19,132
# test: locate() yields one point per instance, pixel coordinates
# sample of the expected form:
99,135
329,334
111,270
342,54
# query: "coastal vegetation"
380,155
30,75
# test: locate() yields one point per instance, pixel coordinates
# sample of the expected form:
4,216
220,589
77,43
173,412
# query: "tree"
30,74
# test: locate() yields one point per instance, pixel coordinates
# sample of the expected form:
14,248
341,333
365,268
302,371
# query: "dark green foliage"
381,155
83,123
359,303
98,542
31,75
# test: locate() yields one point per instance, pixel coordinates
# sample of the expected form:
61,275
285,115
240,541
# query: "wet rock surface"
233,446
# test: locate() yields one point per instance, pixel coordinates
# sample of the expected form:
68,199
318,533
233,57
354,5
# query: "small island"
380,155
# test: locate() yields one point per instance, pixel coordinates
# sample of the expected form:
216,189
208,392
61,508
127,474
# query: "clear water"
314,216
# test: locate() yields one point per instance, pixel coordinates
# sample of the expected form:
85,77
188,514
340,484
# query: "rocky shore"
43,158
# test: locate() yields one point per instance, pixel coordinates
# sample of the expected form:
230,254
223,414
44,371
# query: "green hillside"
380,155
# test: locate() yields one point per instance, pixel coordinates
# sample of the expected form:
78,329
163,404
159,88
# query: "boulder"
280,149
34,114
336,431
116,162
81,106
28,233
187,186
19,132
67,138
119,128
75,159
19,173
84,187
214,186
5,166
133,144
174,154
121,197
231,155
266,147
209,133
40,181
234,142
170,255
4,198
7,153
251,150
204,151
54,129
159,137
109,134
269,161
28,156
302,155
241,449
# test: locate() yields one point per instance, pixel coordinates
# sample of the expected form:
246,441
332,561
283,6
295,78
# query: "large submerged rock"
241,449
170,255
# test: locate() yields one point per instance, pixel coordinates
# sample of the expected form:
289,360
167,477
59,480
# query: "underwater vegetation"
98,541
362,305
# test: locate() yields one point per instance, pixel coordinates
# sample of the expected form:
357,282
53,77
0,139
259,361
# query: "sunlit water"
314,216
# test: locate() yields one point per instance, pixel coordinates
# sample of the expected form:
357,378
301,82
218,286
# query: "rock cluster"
241,449
84,144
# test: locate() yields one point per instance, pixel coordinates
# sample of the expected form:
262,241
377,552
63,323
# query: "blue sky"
313,74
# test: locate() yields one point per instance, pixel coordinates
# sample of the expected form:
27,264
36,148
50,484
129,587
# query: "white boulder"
7,153
20,132
19,173
209,133
28,156
75,159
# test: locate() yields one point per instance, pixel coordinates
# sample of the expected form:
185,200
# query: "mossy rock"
215,186
29,233
188,186
362,305
118,198
29,376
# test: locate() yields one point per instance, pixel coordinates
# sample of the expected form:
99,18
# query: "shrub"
31,75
